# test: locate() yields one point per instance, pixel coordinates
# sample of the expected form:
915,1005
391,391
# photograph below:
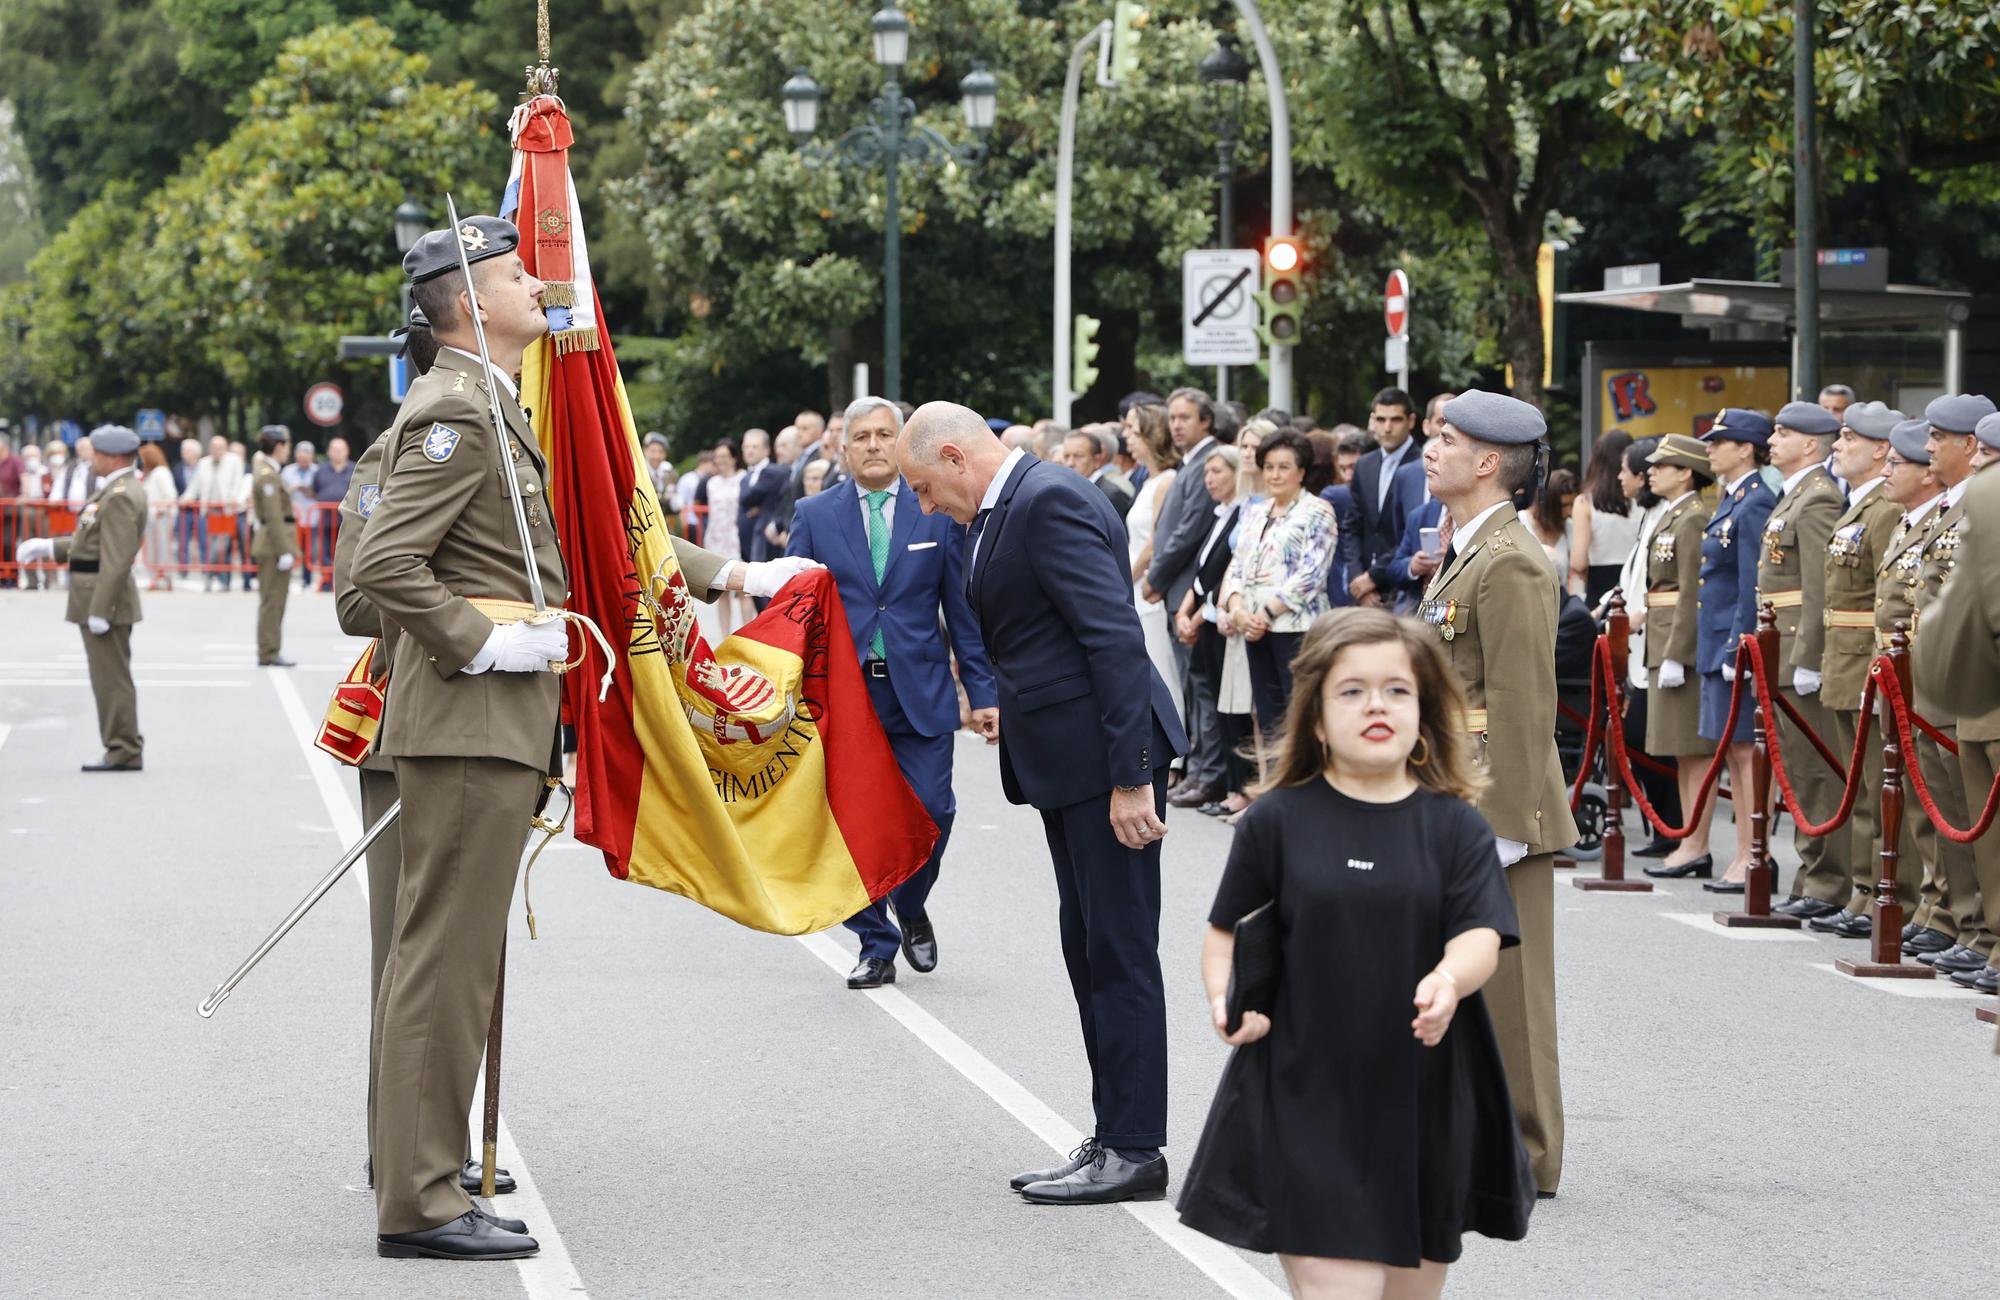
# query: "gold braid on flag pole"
541,77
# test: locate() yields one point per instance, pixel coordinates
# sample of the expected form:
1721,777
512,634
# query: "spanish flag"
751,776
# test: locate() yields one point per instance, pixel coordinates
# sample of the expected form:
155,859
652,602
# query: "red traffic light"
1281,254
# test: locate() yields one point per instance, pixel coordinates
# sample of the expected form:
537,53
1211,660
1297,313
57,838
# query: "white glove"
1805,681
1728,671
763,578
1511,851
35,550
522,647
98,626
285,563
1672,673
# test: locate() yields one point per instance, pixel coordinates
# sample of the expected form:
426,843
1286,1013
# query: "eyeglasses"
1894,462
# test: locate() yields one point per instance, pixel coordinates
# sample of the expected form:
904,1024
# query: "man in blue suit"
1730,545
1375,505
898,570
1087,731
1412,566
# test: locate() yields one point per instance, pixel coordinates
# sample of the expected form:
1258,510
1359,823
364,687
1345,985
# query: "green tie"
878,550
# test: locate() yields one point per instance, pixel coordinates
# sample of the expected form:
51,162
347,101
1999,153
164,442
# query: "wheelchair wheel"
1590,813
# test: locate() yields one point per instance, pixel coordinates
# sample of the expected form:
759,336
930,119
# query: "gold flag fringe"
577,340
558,293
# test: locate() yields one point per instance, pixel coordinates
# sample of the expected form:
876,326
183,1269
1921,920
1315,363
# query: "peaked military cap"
1908,438
114,440
437,252
1988,430
1958,412
1808,417
1873,420
1495,418
1734,424
1679,449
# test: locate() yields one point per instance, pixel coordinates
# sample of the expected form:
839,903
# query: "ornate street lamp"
412,224
890,137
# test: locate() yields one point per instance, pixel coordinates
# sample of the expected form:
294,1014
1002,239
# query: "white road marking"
1933,987
6,731
1224,1266
1705,922
549,1274
160,683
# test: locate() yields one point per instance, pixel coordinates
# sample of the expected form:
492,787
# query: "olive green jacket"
109,534
1790,559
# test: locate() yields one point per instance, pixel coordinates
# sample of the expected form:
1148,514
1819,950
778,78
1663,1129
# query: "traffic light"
1083,351
1126,19
1283,298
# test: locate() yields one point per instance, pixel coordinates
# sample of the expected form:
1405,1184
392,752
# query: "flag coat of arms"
752,776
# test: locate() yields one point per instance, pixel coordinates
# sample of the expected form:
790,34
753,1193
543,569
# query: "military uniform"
109,534
1791,577
1855,552
1959,646
276,538
1673,573
1494,607
1728,604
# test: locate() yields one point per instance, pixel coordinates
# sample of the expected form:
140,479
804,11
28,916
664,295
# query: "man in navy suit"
1087,730
763,481
1376,509
898,569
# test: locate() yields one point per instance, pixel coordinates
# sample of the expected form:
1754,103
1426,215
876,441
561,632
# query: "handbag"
1254,965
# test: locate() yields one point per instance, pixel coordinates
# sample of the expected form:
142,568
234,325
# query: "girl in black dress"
1364,1124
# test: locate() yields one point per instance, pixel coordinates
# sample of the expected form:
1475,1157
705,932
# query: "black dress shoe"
1106,1179
1984,980
1655,848
871,973
1931,958
1078,1158
501,1221
1723,886
469,1236
1928,940
129,765
1700,868
279,662
1541,1195
919,943
1910,931
1188,794
1959,959
1215,808
1809,909
1854,927
1831,922
468,1179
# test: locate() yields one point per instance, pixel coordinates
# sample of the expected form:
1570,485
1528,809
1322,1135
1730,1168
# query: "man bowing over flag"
898,571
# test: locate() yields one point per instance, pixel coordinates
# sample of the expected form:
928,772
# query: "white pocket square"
921,546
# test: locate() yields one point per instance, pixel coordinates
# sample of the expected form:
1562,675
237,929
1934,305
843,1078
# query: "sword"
326,882
499,423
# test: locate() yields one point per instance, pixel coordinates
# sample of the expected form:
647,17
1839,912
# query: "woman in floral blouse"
1276,584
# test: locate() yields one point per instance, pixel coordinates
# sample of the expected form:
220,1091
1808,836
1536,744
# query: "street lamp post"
1226,74
891,137
412,224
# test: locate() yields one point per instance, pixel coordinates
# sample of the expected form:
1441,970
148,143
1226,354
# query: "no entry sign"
1396,303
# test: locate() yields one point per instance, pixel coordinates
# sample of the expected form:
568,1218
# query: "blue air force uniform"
1729,551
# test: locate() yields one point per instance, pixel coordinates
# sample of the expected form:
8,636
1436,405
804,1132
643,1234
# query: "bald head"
949,457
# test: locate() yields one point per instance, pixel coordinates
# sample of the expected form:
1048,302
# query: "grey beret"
1908,438
1873,420
1958,412
114,440
1989,430
1810,418
1495,418
437,252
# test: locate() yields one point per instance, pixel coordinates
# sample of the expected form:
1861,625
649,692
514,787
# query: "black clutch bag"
1253,970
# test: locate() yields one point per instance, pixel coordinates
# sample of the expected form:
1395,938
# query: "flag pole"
490,1144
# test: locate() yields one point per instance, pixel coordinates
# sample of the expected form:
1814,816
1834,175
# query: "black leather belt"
83,566
875,668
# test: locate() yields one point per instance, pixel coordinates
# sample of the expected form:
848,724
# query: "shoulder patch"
440,443
371,495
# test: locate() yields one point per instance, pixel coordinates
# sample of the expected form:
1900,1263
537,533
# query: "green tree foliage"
230,284
1904,90
1460,123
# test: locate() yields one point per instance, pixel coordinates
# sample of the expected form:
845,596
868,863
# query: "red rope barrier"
1899,708
1618,754
1850,775
1593,735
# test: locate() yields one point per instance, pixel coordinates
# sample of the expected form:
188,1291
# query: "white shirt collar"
1795,479
1729,489
117,474
1918,511
1394,458
1100,471
999,483
1860,491
861,493
506,381
1478,519
1952,496
1195,450
1677,500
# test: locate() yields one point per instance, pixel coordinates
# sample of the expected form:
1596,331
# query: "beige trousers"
1824,861
1521,998
110,660
273,585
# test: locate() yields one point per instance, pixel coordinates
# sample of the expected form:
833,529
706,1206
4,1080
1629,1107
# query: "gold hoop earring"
1419,762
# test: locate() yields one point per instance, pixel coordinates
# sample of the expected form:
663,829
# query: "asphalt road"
699,1110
